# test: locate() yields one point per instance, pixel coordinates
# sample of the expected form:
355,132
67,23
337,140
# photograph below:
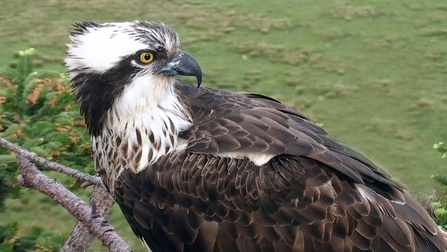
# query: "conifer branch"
96,224
81,238
49,164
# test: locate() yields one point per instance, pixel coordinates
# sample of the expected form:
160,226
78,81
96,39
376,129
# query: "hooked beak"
182,64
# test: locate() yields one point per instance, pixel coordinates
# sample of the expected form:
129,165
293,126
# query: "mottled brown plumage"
305,199
206,170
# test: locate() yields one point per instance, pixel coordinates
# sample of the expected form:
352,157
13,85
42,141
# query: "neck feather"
140,127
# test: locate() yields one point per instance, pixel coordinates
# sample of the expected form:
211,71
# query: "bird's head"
130,64
130,48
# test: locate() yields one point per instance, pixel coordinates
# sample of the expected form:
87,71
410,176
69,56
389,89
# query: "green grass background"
373,72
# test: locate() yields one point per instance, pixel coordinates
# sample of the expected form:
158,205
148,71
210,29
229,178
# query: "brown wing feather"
314,195
268,127
297,209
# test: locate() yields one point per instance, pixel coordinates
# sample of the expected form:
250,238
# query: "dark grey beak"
182,64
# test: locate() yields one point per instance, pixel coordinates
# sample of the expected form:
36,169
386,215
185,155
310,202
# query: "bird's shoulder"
240,121
247,124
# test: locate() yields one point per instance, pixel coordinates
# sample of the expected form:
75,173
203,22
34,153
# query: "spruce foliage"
39,112
440,206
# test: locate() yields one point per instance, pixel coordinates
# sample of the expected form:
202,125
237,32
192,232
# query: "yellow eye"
146,57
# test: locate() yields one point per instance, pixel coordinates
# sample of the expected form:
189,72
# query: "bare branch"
98,225
81,238
49,164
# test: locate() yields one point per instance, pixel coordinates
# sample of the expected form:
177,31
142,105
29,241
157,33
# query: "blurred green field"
373,72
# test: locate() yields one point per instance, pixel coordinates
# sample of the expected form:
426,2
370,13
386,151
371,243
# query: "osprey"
200,169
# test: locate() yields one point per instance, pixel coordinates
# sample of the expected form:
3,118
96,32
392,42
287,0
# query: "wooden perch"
96,224
81,238
50,165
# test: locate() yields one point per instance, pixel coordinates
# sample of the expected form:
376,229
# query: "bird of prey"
204,170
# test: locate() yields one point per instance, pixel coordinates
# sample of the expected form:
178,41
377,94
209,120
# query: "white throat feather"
141,126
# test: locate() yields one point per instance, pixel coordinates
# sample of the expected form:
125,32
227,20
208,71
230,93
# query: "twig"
99,226
81,238
50,165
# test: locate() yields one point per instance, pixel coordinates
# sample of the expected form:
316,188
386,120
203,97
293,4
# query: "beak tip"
199,80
